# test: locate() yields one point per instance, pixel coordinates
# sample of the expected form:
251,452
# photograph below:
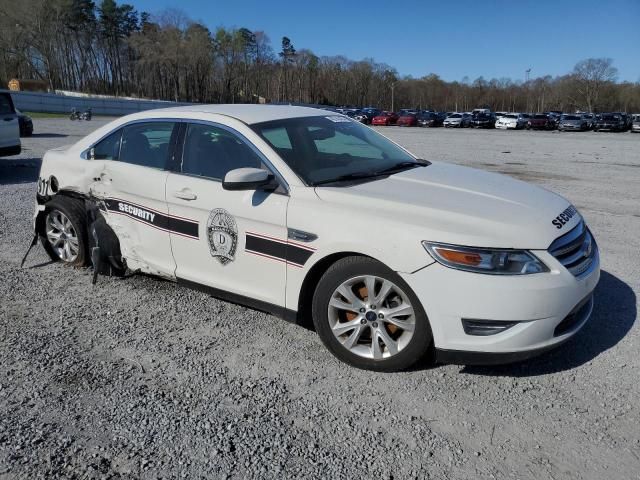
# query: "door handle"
185,194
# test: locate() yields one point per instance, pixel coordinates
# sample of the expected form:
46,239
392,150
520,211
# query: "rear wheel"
368,317
65,232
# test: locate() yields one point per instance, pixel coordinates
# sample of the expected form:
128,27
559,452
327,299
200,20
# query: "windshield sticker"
338,119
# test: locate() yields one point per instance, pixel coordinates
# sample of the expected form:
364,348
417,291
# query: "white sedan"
311,215
514,121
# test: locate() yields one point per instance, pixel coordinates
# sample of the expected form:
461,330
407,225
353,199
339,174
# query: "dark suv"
613,122
484,120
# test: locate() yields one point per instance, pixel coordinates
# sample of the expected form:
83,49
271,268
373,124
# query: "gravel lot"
140,378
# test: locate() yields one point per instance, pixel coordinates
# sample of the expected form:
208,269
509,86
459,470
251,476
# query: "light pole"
526,82
393,86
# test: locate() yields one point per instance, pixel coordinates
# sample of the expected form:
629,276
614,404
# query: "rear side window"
212,151
6,105
108,148
146,144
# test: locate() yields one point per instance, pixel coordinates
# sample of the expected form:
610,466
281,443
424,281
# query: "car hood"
454,120
573,122
458,205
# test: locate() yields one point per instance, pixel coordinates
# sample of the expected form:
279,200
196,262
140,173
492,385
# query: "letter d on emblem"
222,234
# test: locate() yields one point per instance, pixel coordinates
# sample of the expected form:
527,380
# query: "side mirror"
92,154
248,179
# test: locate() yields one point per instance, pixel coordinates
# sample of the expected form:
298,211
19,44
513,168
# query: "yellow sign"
14,85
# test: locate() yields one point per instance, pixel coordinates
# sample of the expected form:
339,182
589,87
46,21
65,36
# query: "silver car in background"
459,120
515,121
635,125
575,122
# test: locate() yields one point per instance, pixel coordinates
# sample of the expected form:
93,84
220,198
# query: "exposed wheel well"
310,282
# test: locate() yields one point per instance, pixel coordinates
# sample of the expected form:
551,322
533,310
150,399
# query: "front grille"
576,250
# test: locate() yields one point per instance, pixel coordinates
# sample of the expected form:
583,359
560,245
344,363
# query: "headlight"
483,260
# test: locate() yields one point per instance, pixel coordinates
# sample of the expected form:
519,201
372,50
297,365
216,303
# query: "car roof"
246,113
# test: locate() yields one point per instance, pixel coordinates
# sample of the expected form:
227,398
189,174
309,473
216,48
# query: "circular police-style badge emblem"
222,234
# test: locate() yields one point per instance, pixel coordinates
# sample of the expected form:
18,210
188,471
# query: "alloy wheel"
371,317
62,236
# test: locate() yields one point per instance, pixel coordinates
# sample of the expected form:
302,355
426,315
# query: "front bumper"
539,303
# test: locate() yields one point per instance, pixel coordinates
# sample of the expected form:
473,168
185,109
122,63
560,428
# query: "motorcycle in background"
76,115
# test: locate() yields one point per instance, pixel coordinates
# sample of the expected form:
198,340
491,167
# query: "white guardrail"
52,103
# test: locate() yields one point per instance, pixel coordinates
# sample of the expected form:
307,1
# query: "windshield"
511,115
570,117
321,149
540,116
455,115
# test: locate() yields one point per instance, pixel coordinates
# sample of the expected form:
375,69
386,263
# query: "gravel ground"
140,378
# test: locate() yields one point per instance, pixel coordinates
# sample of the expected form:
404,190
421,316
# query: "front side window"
211,152
146,144
326,149
108,148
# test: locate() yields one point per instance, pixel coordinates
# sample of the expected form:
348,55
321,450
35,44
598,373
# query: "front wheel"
368,317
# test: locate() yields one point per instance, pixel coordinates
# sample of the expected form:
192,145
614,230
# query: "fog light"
484,328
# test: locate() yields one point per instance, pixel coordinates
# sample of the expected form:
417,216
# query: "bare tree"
591,76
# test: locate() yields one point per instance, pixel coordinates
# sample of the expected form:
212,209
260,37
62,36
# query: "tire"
373,330
64,221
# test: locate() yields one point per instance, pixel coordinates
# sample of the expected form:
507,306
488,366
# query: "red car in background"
541,121
385,118
408,120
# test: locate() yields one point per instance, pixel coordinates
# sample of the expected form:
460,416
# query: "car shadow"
20,170
49,135
614,314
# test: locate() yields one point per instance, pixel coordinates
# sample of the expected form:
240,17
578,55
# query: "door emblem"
222,234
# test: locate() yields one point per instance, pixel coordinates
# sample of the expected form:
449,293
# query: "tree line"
110,48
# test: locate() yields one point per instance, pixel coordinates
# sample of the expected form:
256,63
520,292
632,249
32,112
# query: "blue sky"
452,39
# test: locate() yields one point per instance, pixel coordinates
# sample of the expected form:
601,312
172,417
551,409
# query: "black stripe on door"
276,249
153,218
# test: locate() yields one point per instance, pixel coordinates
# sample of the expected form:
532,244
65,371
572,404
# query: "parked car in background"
611,122
515,121
457,120
590,118
408,120
385,118
9,127
575,122
483,120
430,119
541,121
554,118
366,115
635,126
499,115
26,124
